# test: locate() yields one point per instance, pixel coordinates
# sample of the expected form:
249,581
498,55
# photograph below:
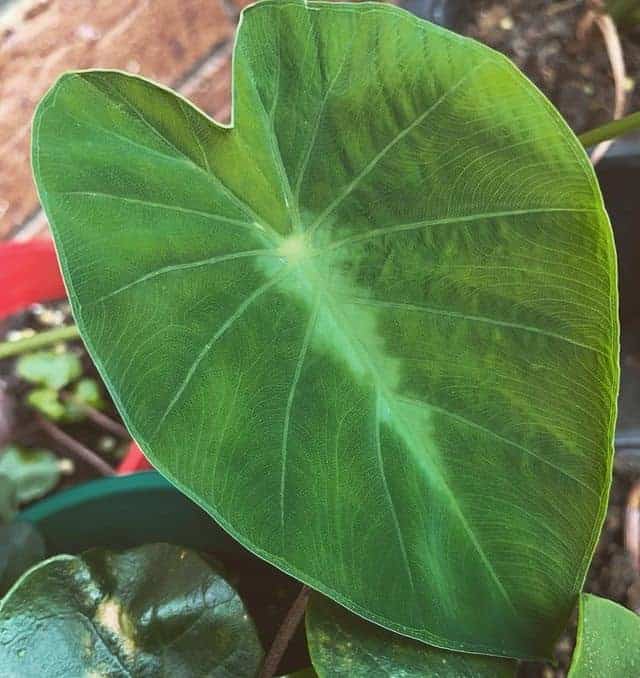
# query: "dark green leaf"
53,370
344,646
33,472
21,546
608,642
157,610
371,328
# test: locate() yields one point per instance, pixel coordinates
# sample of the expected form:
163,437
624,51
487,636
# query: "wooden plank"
163,39
186,45
209,87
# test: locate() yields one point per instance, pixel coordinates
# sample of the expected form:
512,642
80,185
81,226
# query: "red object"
29,274
133,461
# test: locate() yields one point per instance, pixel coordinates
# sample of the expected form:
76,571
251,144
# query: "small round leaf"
49,369
151,611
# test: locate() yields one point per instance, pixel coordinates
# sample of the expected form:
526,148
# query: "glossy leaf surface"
371,328
608,641
342,645
157,610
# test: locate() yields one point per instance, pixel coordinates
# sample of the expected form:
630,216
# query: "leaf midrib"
394,403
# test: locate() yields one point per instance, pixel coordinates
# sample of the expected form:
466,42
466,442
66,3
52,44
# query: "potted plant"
42,284
370,328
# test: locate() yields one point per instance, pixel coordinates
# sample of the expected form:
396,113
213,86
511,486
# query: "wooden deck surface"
183,44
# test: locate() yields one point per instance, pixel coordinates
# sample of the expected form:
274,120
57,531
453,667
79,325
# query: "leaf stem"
37,341
97,417
288,627
75,446
611,130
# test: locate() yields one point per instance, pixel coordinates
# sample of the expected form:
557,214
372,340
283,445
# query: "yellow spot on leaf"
113,617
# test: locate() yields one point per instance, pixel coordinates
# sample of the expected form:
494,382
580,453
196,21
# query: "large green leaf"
371,328
157,610
342,645
608,642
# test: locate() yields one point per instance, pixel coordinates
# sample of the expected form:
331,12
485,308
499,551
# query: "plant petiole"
285,633
610,130
38,341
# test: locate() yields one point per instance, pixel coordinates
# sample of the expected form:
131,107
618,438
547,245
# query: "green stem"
611,130
75,446
97,417
37,341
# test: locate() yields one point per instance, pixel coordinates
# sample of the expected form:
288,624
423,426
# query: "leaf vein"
441,221
468,422
209,345
287,416
186,266
160,205
394,514
403,133
473,318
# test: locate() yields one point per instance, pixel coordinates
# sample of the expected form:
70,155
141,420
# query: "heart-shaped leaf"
371,327
342,645
87,392
608,642
157,610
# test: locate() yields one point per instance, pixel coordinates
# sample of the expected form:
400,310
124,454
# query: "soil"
542,38
268,595
17,418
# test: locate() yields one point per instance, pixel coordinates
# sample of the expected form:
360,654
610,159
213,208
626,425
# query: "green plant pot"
127,511
124,512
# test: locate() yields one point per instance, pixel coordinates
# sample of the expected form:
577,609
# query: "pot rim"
99,488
